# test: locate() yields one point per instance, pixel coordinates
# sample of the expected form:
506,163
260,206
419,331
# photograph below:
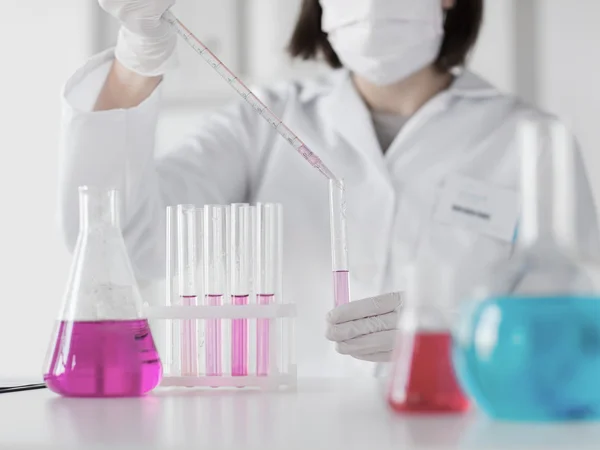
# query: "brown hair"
461,28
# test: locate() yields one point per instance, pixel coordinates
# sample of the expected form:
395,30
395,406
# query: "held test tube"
339,249
187,261
268,268
215,269
240,284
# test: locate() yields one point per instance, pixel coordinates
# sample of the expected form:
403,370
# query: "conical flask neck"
98,208
547,196
102,284
536,199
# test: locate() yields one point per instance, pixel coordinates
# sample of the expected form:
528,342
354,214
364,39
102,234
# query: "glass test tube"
187,253
200,324
240,284
215,267
268,267
173,327
339,247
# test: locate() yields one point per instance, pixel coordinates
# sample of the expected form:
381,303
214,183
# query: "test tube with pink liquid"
268,277
187,259
215,270
240,248
339,246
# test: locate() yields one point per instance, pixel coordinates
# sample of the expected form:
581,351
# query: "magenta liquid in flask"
339,246
268,278
215,270
240,242
102,345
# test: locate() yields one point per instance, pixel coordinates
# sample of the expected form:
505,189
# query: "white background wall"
38,52
494,54
43,42
569,66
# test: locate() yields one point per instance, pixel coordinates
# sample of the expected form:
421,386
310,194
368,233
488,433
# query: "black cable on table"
23,388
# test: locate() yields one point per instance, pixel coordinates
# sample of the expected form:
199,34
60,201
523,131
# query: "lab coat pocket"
466,233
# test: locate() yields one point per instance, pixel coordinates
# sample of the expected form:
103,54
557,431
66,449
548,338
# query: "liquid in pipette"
544,363
239,341
341,287
189,341
263,337
428,383
111,358
213,339
247,95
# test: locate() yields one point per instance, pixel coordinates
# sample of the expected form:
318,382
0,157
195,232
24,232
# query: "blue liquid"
532,359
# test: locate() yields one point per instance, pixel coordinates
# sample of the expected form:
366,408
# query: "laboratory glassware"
183,282
527,347
215,273
247,95
268,263
266,320
239,270
172,356
339,246
102,345
187,257
337,190
422,377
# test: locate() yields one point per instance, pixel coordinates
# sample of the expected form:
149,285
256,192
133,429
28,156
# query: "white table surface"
322,414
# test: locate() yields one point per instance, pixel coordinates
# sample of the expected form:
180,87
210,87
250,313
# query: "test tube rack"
225,322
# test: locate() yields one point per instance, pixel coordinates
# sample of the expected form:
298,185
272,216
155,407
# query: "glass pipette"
247,95
340,276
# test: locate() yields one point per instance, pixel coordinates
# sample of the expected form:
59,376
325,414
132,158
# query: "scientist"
412,132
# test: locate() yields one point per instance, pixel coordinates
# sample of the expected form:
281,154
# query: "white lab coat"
235,156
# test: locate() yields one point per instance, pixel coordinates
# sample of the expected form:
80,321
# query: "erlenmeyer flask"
528,342
102,345
422,377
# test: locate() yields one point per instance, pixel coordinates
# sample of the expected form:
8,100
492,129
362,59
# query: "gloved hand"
145,44
365,329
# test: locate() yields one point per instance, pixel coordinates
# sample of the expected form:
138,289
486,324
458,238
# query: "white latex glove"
365,329
146,44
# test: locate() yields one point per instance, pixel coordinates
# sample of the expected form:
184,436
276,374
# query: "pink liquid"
189,350
341,287
429,384
239,341
213,340
104,359
262,338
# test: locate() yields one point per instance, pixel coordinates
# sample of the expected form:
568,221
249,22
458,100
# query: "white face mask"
384,41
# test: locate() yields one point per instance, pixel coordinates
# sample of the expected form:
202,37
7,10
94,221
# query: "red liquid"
104,359
341,287
423,379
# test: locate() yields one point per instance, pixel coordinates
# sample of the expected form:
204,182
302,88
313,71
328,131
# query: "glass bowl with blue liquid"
533,354
527,343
